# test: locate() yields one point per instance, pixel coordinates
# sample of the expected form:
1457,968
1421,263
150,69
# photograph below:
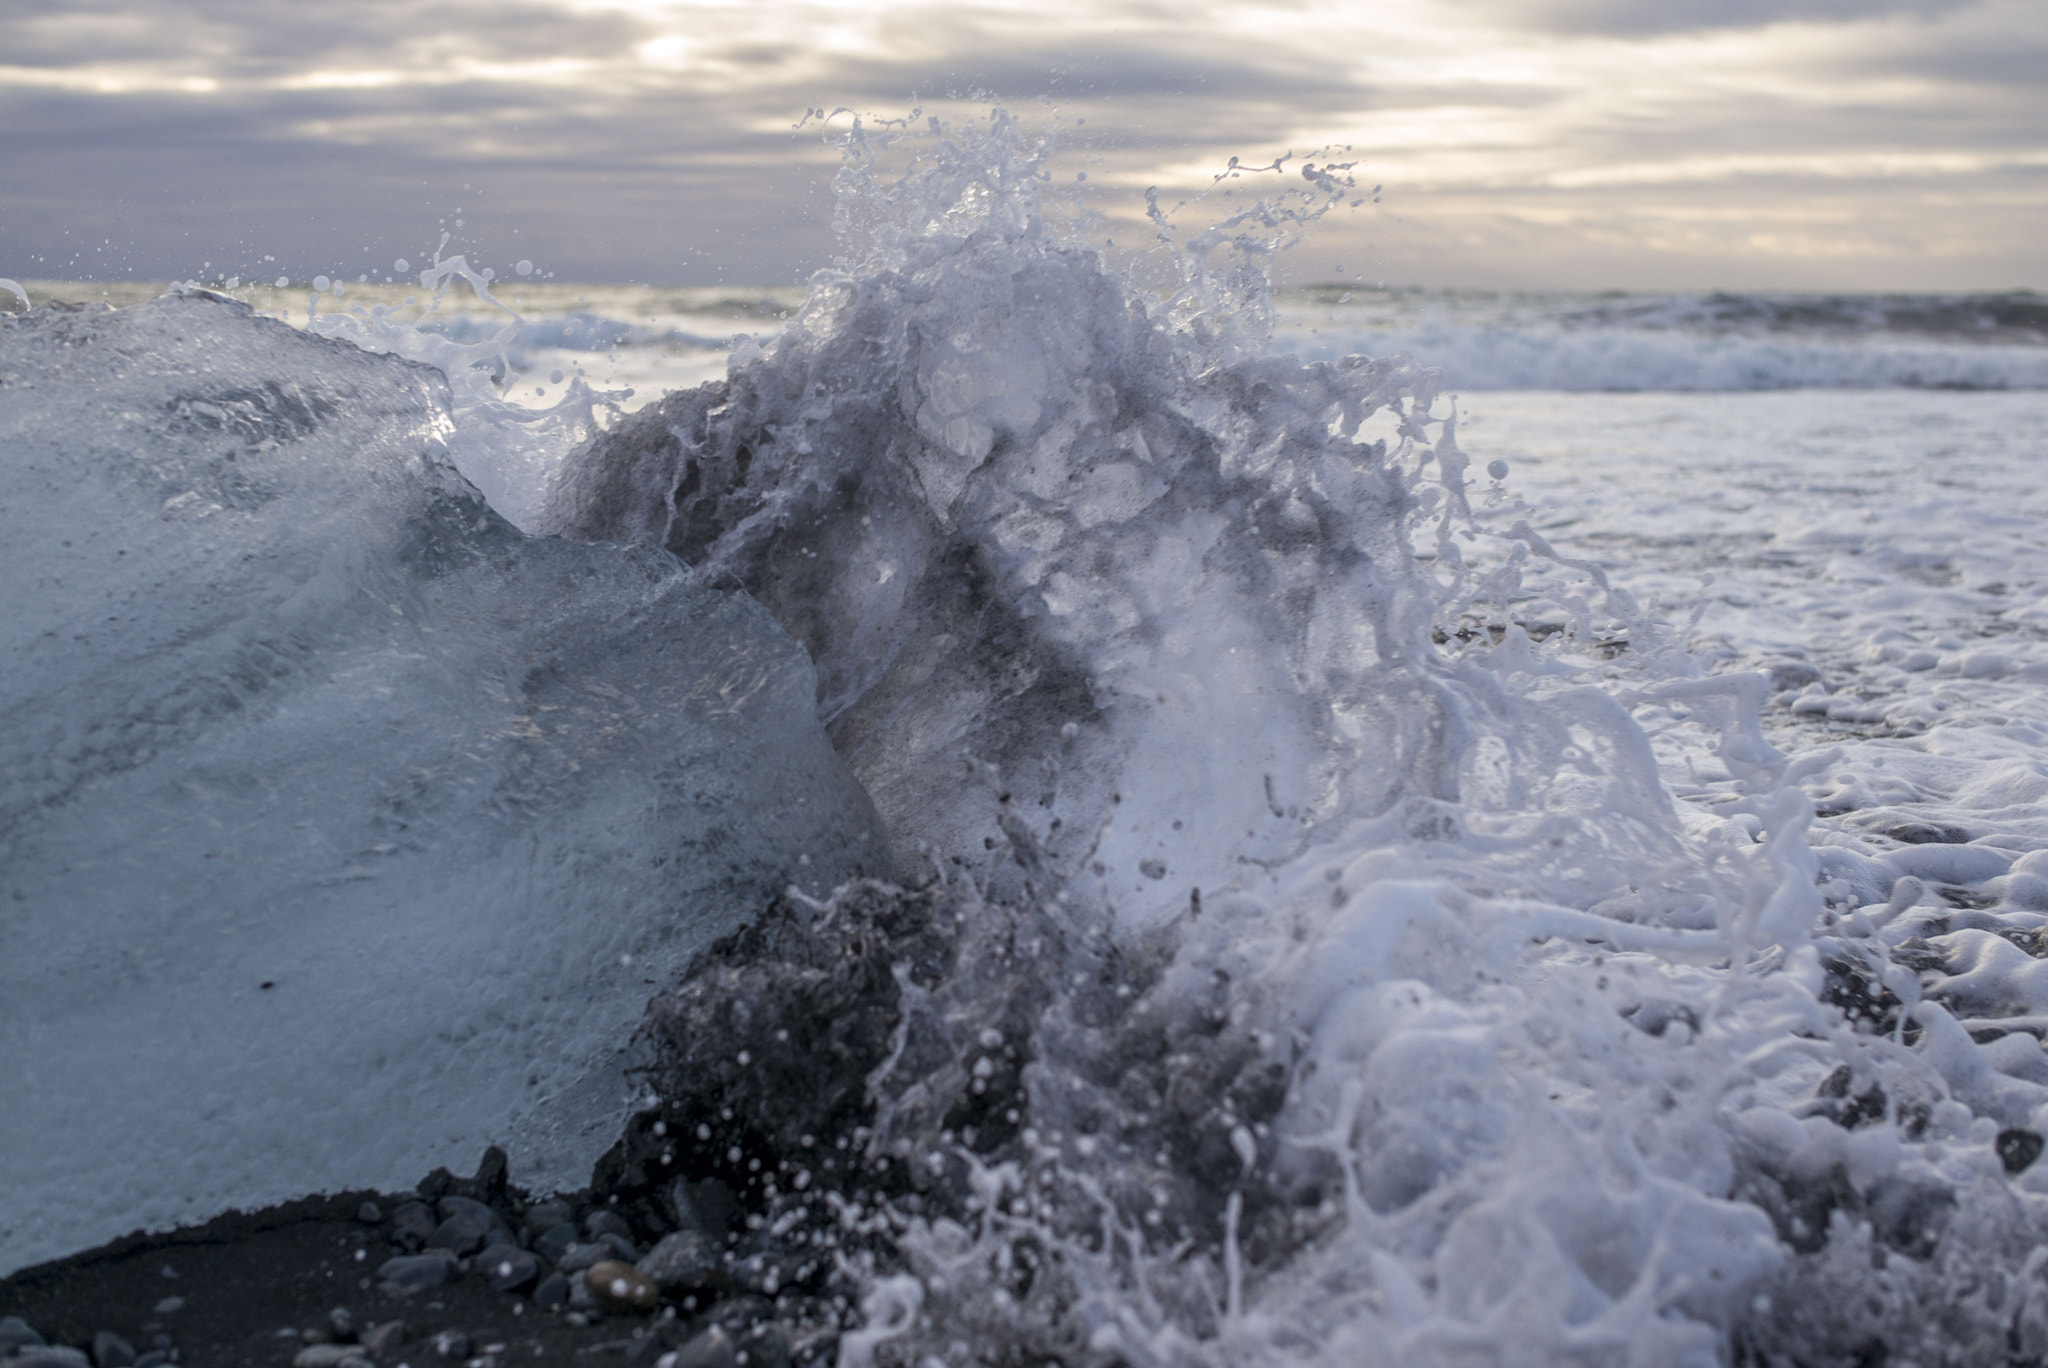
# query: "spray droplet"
401,265
320,284
283,281
1497,469
524,268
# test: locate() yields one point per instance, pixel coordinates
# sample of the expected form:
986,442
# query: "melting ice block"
343,828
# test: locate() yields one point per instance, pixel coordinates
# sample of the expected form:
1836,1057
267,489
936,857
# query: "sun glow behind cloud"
1630,142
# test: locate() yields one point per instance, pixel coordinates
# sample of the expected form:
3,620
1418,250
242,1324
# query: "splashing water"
506,450
1319,968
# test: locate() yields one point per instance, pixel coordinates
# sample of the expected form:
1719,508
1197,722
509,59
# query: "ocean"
1440,827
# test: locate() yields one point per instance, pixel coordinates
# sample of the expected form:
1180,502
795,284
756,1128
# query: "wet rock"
553,1291
49,1356
707,1205
380,1340
369,1213
16,1333
452,1344
325,1355
543,1216
686,1259
604,1221
578,1257
411,1224
621,1288
2018,1149
508,1267
462,1233
109,1350
1927,833
416,1272
715,1348
552,1243
766,1346
342,1323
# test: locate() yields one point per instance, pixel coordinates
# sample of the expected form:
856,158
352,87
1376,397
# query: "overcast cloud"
1873,144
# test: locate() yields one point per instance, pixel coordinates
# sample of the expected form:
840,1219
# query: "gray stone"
477,1211
49,1356
545,1215
715,1348
604,1221
109,1350
342,1322
452,1344
16,1333
369,1213
686,1259
508,1267
578,1257
416,1272
552,1243
412,1223
553,1291
324,1355
461,1232
380,1340
766,1345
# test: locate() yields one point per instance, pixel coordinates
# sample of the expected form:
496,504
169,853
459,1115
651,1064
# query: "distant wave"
1557,358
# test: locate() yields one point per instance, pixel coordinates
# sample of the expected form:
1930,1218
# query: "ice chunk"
344,828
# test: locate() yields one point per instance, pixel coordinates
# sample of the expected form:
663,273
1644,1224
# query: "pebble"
369,1213
578,1257
381,1340
553,1291
169,1305
452,1344
325,1355
16,1333
49,1356
412,1223
461,1232
715,1348
342,1322
508,1267
415,1272
109,1350
688,1258
620,1287
604,1221
555,1241
546,1215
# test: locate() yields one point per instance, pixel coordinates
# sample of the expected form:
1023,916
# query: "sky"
1520,144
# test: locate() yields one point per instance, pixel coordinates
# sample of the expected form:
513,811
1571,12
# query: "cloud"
653,140
1640,18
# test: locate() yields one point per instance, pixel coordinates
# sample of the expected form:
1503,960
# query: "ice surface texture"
344,828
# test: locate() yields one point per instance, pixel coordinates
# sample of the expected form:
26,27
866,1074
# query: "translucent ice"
343,827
